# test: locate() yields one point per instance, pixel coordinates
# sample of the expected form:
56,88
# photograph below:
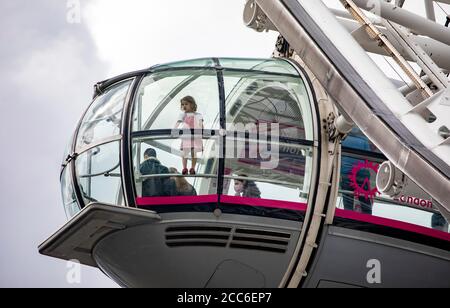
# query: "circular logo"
360,180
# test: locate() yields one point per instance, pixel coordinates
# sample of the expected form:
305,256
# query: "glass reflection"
261,65
98,174
70,204
67,152
178,147
358,184
207,62
358,141
283,174
104,117
158,165
358,193
254,98
158,103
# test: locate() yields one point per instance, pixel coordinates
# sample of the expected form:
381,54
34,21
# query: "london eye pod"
281,190
260,130
267,172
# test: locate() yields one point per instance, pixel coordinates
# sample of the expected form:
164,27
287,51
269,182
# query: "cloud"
48,69
136,34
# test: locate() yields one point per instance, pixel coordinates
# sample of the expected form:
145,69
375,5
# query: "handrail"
141,178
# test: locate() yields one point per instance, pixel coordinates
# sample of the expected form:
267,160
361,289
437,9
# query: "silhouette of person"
246,188
181,186
155,186
363,177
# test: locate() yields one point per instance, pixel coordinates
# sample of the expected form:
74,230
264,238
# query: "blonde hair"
190,100
180,182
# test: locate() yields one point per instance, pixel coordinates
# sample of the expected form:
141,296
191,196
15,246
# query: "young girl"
190,144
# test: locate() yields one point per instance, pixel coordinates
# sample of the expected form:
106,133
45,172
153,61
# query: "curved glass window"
103,118
70,204
358,190
256,130
265,99
357,141
234,134
269,132
276,170
98,174
67,152
158,104
158,165
207,62
263,65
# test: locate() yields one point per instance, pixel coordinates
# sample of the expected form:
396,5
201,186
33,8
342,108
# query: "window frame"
314,144
74,152
127,134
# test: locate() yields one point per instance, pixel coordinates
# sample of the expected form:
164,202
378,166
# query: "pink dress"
191,120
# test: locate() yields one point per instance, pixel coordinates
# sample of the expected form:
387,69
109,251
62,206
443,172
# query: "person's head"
149,153
181,183
240,185
188,104
438,222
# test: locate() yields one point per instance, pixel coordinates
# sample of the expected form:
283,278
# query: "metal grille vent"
260,240
214,236
197,236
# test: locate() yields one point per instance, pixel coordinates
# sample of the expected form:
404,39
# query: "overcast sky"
47,69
